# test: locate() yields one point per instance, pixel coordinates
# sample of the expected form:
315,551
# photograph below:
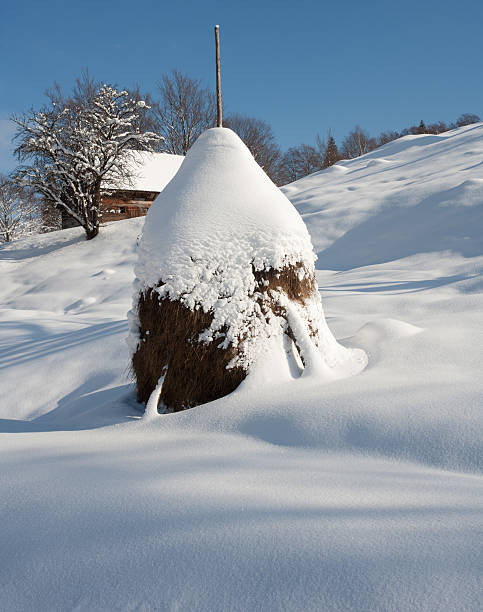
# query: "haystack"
225,270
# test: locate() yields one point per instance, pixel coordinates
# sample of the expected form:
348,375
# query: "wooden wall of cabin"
120,205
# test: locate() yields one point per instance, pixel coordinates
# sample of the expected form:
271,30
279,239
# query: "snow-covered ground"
358,494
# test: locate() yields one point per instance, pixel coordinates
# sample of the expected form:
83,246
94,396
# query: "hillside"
360,494
418,194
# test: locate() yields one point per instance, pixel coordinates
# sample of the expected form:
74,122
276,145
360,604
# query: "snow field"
363,493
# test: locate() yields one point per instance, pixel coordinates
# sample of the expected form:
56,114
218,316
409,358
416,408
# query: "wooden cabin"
133,199
126,204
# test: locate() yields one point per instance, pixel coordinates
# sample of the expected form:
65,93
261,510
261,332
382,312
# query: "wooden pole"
219,121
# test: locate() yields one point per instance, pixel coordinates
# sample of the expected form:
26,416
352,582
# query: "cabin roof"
153,173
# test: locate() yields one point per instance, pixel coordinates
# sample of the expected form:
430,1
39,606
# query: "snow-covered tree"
79,146
18,211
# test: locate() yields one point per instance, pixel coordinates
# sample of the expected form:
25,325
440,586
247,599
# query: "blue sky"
303,66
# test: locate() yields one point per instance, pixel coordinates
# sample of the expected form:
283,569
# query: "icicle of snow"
312,358
151,410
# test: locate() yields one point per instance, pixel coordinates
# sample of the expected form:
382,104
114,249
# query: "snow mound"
377,335
220,207
387,329
219,222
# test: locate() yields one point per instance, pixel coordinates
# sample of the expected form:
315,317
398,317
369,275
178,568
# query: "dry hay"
196,372
297,284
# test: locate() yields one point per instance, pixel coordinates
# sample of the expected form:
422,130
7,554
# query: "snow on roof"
153,172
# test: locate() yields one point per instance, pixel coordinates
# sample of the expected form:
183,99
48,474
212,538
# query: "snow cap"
220,206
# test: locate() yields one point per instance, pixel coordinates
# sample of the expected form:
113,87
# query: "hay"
297,284
294,281
196,372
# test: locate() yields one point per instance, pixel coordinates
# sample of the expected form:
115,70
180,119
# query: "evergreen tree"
422,128
332,153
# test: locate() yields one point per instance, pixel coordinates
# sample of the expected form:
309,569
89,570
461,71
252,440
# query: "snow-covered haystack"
224,280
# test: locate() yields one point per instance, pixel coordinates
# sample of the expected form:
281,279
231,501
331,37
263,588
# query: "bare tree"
301,161
357,143
184,111
81,145
385,137
51,217
259,138
290,165
467,119
321,146
310,160
19,213
437,127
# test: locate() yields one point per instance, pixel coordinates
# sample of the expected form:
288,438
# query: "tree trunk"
94,212
92,233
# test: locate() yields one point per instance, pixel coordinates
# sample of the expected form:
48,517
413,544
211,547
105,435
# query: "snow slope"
361,494
419,194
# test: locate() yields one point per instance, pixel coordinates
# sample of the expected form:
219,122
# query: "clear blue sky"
303,66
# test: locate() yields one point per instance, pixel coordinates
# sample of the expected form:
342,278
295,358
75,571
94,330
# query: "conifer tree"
422,128
332,153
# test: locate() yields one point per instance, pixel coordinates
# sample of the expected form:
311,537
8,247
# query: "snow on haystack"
225,277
